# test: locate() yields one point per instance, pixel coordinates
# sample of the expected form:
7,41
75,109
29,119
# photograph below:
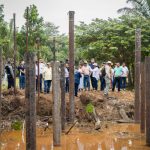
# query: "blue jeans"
117,80
47,85
95,83
86,81
22,81
76,89
123,82
67,85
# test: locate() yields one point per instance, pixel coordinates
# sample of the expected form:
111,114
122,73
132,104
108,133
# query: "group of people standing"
114,77
86,76
45,75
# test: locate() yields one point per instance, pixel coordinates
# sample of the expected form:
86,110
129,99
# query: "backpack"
103,71
8,72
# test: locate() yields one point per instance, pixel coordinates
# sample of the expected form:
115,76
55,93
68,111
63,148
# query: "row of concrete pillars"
142,89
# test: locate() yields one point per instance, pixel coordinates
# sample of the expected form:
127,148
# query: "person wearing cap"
21,70
117,76
47,76
108,77
95,75
86,70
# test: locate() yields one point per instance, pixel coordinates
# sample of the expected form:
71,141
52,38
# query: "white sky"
56,10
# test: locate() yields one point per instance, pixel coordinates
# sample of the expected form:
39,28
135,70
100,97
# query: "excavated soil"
107,108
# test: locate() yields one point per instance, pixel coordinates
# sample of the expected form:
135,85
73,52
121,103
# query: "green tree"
139,7
112,39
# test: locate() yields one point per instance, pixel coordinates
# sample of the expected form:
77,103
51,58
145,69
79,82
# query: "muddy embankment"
118,107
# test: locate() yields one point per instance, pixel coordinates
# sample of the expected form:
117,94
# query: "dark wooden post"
30,102
0,84
27,26
71,65
14,18
137,74
56,104
63,102
142,98
54,49
147,96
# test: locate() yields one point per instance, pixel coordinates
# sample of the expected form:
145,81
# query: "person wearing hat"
86,70
108,77
95,75
47,76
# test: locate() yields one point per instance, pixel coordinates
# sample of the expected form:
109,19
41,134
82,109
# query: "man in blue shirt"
117,76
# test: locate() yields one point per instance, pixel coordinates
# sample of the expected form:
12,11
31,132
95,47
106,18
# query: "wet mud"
115,137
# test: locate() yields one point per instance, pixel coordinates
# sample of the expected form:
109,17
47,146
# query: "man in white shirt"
124,76
41,70
67,77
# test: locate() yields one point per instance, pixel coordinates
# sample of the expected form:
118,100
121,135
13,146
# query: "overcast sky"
56,10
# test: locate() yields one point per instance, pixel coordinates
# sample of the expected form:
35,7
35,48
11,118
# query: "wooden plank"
30,102
56,104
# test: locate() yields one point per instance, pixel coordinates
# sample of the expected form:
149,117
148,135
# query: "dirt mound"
10,92
116,107
13,107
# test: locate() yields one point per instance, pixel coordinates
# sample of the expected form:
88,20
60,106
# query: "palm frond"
141,7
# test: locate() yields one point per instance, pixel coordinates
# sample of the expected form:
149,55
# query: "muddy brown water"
116,137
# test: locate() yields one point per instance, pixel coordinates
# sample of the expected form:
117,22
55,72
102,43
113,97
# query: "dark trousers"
76,89
67,84
86,81
103,83
47,85
10,81
117,80
40,83
123,82
95,83
92,82
22,82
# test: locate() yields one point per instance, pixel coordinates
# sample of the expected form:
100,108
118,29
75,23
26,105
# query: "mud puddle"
116,137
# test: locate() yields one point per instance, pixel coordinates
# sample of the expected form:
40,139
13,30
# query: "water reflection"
120,137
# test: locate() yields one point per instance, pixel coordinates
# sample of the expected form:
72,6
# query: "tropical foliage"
138,7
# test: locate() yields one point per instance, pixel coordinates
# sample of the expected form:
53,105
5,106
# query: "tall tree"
139,7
